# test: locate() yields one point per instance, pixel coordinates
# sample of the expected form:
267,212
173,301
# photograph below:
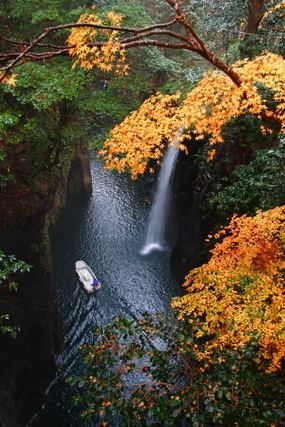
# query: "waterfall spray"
155,239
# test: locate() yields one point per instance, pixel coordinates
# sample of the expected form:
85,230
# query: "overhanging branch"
147,36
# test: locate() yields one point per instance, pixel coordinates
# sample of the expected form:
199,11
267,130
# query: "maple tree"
108,56
238,295
204,112
103,42
85,43
153,121
44,118
110,36
238,24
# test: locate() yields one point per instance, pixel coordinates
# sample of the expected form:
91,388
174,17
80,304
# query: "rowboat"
87,277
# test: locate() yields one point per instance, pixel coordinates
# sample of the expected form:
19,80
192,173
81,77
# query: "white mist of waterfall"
155,239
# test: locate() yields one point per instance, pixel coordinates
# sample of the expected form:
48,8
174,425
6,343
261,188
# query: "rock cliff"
28,363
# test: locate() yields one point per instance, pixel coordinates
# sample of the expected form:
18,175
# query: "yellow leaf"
11,80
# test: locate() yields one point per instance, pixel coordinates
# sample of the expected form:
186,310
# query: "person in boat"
95,283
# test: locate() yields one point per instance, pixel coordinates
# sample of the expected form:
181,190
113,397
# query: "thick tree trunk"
254,15
253,20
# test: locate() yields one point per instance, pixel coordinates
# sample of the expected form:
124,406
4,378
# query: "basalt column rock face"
192,228
28,363
79,181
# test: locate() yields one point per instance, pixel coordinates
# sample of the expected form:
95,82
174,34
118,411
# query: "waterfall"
155,237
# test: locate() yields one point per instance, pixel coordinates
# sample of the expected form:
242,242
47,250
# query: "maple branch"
28,43
199,45
147,33
32,56
157,43
22,55
127,43
112,28
140,38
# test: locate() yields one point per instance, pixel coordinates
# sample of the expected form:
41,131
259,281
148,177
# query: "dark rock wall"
79,180
192,228
29,362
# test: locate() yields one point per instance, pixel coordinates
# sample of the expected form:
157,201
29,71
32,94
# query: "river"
107,230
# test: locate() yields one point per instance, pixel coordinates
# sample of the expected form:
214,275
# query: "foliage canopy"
222,356
149,372
204,112
239,293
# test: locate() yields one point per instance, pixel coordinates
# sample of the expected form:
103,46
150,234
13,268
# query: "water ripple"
107,231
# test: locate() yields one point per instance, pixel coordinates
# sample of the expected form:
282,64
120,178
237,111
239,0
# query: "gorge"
107,229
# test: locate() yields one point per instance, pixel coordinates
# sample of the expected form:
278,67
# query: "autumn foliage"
108,57
220,96
215,100
205,111
239,294
138,139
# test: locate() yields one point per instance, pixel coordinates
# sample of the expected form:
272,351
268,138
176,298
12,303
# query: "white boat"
87,277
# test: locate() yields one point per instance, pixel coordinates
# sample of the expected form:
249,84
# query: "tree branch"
141,37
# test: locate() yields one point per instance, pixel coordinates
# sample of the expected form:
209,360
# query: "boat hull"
87,277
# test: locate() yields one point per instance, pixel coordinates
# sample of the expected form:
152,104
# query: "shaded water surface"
107,231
